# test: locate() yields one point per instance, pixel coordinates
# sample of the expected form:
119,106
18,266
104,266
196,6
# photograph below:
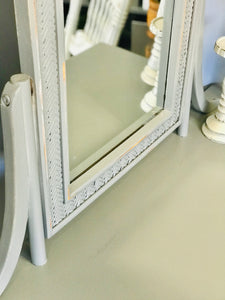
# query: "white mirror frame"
41,46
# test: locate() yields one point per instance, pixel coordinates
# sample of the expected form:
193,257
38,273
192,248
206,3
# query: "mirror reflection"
111,92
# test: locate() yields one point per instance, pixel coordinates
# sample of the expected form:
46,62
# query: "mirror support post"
190,70
22,195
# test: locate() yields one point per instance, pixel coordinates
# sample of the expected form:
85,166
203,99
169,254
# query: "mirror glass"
112,92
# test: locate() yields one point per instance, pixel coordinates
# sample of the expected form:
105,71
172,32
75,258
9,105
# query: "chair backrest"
105,20
71,23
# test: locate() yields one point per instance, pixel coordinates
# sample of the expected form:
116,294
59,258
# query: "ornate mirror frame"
41,48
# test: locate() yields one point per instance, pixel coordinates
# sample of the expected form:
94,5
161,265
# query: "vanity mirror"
104,100
107,88
91,126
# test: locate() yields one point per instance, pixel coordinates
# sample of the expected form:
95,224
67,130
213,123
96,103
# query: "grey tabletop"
156,234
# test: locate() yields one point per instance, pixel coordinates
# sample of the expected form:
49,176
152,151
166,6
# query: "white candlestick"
214,127
149,73
150,99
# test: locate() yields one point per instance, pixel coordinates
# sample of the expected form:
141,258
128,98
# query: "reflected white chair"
105,21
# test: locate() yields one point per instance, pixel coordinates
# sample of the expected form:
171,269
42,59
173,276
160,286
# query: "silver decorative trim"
50,83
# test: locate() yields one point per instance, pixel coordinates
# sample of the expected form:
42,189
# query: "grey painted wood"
17,193
175,99
45,67
22,195
2,189
190,70
59,212
41,50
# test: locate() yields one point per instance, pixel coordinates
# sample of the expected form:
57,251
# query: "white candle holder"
149,73
150,99
214,127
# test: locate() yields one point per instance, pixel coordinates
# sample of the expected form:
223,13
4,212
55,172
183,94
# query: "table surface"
158,233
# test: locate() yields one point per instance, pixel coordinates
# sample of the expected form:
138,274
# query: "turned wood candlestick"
214,127
150,99
149,73
152,14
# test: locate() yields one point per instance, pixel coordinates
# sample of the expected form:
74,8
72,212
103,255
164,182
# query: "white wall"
213,64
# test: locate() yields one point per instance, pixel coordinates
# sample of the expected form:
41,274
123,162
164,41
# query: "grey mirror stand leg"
198,97
192,67
22,195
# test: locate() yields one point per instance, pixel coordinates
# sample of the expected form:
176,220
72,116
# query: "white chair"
105,21
71,23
